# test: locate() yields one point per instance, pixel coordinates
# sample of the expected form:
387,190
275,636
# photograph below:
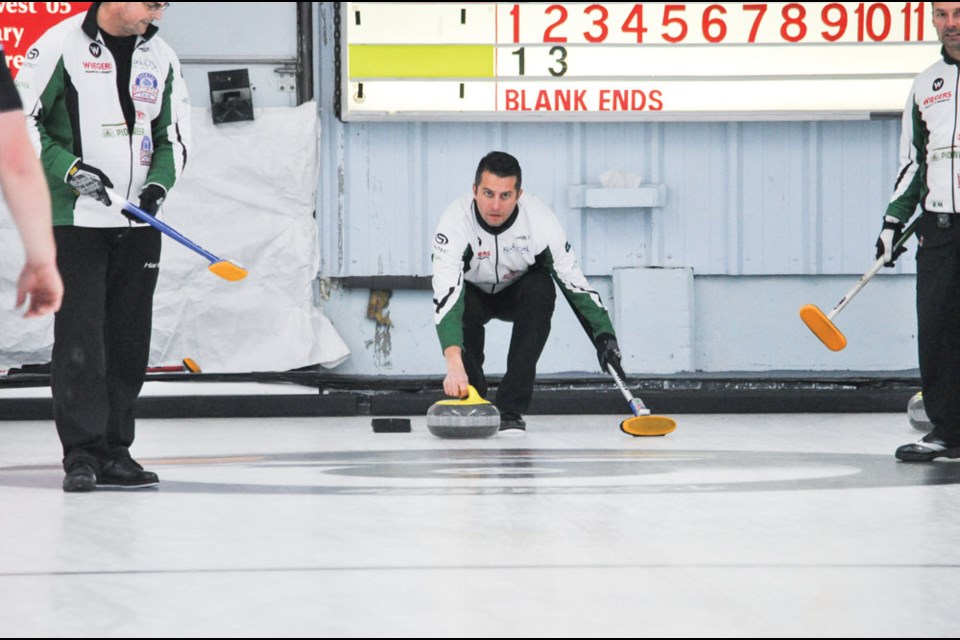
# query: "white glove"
889,236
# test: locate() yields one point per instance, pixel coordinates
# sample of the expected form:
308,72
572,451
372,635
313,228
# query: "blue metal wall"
767,216
742,198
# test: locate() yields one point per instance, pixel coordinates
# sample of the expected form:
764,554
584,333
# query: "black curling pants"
528,303
938,322
101,342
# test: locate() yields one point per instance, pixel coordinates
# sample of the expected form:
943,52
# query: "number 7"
761,9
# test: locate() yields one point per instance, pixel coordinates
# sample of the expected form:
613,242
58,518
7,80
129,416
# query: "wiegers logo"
97,67
939,96
95,50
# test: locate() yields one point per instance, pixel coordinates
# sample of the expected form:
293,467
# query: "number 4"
634,23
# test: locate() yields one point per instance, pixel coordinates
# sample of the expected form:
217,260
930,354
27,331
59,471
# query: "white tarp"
248,195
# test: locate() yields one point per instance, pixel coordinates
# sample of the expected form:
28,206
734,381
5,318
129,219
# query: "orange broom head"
191,365
822,327
648,426
228,270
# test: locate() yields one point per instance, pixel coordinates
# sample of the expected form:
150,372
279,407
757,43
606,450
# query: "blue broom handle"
161,225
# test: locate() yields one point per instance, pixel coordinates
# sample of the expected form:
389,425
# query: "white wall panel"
239,35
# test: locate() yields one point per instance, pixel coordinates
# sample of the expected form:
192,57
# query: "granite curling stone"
470,417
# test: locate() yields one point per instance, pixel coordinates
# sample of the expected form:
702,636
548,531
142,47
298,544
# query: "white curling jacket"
466,249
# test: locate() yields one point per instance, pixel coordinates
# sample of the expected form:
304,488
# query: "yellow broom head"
648,426
821,326
228,270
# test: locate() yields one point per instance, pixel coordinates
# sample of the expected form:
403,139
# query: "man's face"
496,197
133,18
946,20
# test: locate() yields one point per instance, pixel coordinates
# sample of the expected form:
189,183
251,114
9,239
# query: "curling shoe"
126,473
510,421
927,449
80,479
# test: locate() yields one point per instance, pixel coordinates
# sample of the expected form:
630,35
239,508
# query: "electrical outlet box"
286,80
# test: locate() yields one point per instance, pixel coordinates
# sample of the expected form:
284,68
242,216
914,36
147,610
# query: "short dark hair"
500,164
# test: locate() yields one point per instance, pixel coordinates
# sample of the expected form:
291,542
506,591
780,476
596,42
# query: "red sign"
22,24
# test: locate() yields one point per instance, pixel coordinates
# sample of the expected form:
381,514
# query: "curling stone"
470,417
917,415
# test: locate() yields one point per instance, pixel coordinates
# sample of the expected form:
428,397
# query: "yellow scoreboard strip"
421,61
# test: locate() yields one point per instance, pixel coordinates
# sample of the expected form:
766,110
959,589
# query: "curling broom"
226,269
642,424
822,324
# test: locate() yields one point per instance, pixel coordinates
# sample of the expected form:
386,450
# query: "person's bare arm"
25,191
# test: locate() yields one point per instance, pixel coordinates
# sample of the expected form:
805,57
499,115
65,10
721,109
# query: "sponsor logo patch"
119,130
97,67
146,63
146,151
146,88
938,98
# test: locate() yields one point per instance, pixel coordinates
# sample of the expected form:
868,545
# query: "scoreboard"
625,61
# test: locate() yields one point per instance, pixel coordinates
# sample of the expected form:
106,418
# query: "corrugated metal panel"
774,198
753,199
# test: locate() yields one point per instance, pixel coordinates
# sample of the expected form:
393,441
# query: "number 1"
520,54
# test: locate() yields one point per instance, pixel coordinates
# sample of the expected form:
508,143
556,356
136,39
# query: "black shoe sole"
915,453
83,488
117,485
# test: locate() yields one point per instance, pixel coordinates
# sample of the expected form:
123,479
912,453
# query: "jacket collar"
947,58
495,231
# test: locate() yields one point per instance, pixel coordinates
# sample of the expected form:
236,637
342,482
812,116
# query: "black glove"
608,352
151,197
890,234
89,181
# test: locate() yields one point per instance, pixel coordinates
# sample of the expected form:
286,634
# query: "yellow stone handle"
472,398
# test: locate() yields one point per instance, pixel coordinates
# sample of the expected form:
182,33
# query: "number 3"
561,60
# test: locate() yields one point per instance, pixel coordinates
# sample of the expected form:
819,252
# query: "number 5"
667,21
